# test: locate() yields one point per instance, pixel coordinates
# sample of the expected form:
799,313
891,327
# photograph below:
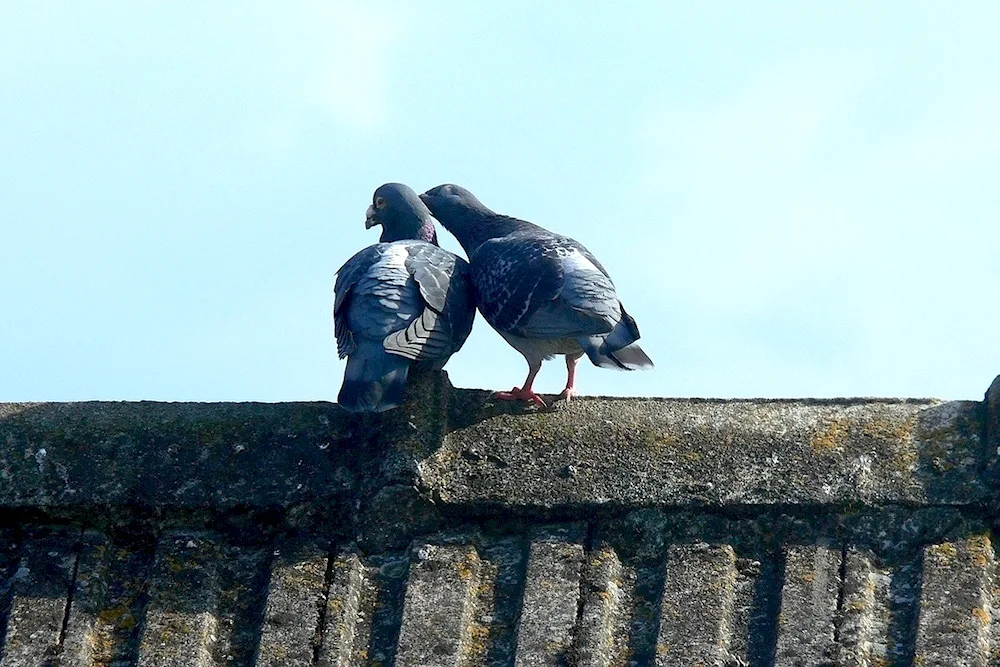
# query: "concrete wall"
456,531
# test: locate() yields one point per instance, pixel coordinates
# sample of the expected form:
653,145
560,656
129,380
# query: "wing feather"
548,287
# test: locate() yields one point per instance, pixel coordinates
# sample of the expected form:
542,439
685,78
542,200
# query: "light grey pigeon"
544,293
399,303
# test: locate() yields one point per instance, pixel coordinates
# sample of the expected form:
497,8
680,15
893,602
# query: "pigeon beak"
370,220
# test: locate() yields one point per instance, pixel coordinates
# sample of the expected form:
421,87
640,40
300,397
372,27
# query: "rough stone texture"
601,640
342,610
717,453
956,603
181,619
697,608
617,532
809,599
864,617
591,452
41,587
551,596
182,454
437,613
81,640
992,401
296,597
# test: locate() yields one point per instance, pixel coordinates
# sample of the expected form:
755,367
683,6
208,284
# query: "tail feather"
373,381
631,358
618,348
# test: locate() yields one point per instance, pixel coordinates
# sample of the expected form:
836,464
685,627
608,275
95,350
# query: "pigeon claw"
518,394
566,394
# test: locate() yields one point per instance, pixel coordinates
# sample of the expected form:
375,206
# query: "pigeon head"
461,213
401,213
451,196
453,202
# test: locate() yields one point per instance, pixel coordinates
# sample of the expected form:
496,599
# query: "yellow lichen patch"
477,640
943,550
808,577
857,605
335,606
908,459
120,617
980,550
981,615
601,557
657,440
830,439
889,430
466,567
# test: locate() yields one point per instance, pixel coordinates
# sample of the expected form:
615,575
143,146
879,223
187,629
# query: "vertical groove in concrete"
41,589
551,595
696,614
243,575
382,605
83,635
504,562
761,637
864,615
343,608
956,603
809,597
296,594
181,617
9,541
748,578
647,598
438,608
368,599
602,638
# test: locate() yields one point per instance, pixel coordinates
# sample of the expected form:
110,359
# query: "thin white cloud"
354,45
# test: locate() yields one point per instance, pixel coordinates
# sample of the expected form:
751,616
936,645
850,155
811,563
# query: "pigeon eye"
379,202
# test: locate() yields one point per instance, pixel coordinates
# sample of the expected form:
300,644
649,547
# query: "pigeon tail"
618,348
628,358
632,358
373,381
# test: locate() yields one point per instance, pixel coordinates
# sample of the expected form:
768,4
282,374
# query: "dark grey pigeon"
544,293
399,303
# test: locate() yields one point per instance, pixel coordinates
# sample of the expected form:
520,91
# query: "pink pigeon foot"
567,394
570,390
518,394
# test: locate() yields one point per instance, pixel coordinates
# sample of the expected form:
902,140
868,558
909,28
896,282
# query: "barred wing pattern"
543,287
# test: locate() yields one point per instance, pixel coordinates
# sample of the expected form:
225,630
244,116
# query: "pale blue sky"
793,199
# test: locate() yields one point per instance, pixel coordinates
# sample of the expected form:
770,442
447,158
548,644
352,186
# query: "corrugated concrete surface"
457,531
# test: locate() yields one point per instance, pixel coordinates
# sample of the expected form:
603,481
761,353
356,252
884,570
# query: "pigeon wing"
348,277
543,287
513,277
443,323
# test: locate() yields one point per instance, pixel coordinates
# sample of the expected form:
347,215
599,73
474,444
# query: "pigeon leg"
570,391
524,393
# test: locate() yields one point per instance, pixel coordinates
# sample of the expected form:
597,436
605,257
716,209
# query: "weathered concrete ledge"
643,452
457,531
462,450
